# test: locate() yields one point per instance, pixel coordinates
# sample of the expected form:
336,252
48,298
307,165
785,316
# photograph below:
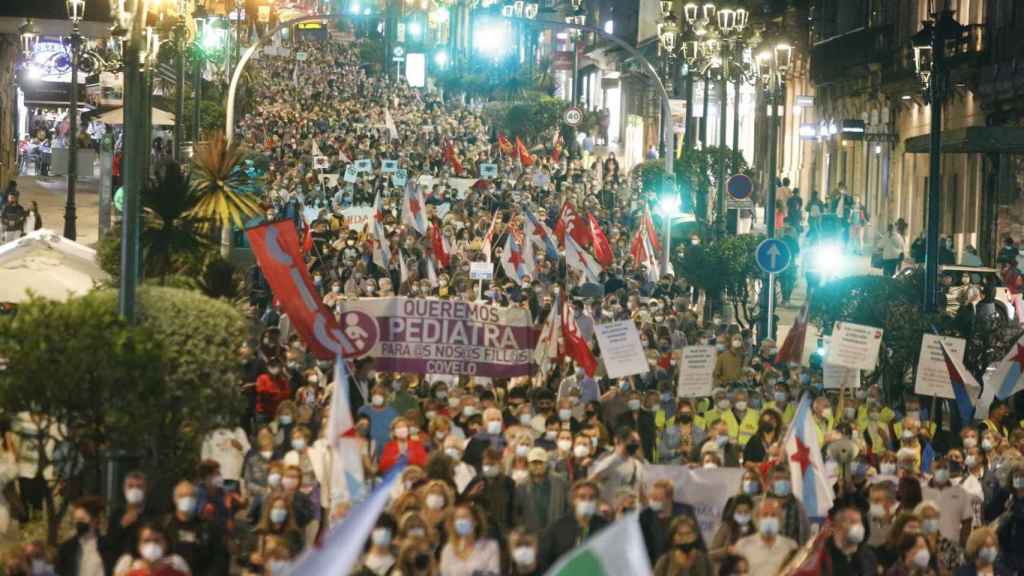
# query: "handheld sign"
351,175
696,372
481,270
854,346
773,256
489,171
320,162
621,349
932,375
364,165
399,177
388,166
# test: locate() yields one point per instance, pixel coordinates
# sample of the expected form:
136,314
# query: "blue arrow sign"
773,256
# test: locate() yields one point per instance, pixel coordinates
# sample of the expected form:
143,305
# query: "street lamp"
772,66
29,37
76,12
939,37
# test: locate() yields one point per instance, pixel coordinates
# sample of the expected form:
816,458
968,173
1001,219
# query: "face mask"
522,450
908,435
565,445
780,396
986,445
290,483
741,519
580,451
285,419
720,347
278,515
656,505
988,555
151,551
585,508
930,525
741,405
82,528
453,402
266,454
877,511
550,435
519,475
378,400
186,505
494,427
632,448
274,480
489,470
416,532
298,443
922,558
380,536
434,501
850,413
751,487
463,526
401,433
887,468
942,475
709,465
724,404
769,526
453,453
524,556
970,460
633,404
855,534
134,496
737,344
524,419
564,414
1018,483
781,487
970,442
685,417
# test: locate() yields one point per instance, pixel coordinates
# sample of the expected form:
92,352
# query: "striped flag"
413,208
537,231
806,467
550,337
512,261
579,259
965,386
1005,381
617,550
346,445
381,249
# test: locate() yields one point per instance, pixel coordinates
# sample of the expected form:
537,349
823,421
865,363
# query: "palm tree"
224,193
171,242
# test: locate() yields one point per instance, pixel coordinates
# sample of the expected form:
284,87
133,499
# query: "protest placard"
854,346
696,371
399,177
621,350
932,377
489,171
388,166
706,489
351,174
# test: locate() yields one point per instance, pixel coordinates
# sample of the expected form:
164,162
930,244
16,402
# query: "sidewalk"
51,194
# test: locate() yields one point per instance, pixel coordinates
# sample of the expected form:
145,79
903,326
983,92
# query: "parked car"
977,275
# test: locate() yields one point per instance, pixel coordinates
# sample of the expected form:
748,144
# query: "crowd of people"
507,476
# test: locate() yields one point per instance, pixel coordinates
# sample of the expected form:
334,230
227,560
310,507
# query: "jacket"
68,556
391,454
728,368
564,535
200,543
557,502
125,539
320,458
655,529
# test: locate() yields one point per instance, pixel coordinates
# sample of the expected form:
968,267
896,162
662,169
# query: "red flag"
816,559
307,241
524,155
570,221
276,247
575,346
439,244
556,149
602,248
451,158
504,145
792,349
648,224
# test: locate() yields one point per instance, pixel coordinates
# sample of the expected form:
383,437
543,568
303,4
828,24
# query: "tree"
224,193
170,240
93,384
697,172
533,117
726,270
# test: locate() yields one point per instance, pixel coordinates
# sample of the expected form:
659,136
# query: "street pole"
768,299
723,92
179,87
70,231
935,87
688,135
668,244
197,90
575,69
704,83
136,155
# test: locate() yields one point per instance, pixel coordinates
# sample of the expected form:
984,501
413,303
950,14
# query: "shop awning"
973,140
43,94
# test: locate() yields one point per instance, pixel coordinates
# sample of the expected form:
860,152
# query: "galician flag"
618,550
381,249
413,207
343,545
538,231
1005,381
806,467
550,337
346,445
581,260
512,261
965,386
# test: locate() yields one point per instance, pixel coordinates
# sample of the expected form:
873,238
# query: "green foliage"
170,241
99,384
697,171
651,176
726,270
211,116
532,117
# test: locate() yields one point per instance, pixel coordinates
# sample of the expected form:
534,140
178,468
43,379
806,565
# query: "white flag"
389,122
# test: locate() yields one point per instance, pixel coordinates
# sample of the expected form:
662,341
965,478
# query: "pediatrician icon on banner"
361,331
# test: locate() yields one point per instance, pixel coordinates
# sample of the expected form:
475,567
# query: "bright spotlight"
492,39
366,11
669,205
441,58
356,8
829,260
415,29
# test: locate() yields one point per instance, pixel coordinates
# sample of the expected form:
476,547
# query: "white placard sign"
357,217
388,166
489,171
696,372
329,180
321,162
621,350
351,174
932,377
835,377
481,270
854,346
706,489
364,165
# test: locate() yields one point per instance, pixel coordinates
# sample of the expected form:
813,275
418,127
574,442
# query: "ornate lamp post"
938,38
76,11
772,66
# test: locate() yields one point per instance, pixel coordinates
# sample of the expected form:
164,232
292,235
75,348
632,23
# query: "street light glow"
492,39
441,58
415,29
356,8
669,205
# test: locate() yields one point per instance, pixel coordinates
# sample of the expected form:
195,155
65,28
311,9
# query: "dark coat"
68,552
563,536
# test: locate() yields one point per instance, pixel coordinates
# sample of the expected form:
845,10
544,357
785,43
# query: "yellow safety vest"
885,415
829,422
787,414
741,431
898,428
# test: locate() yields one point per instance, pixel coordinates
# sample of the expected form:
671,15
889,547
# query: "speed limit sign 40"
573,116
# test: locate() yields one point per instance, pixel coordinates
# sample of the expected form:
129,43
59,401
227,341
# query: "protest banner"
357,217
351,174
399,177
835,377
364,165
706,489
854,346
440,336
489,171
932,378
388,166
481,270
621,350
696,372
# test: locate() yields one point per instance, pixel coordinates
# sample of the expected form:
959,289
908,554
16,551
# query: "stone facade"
9,48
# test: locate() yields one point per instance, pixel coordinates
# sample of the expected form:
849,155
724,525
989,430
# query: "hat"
537,455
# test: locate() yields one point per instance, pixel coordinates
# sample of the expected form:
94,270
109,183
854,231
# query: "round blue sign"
773,256
740,186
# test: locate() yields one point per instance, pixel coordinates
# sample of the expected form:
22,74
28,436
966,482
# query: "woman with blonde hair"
413,527
981,555
278,524
686,555
468,552
947,554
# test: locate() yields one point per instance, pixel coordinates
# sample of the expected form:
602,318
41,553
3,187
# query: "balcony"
839,56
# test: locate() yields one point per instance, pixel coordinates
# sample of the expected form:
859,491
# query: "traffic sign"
398,51
573,116
740,186
773,256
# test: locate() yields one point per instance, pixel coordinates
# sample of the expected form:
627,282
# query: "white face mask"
580,451
524,556
565,445
453,453
186,504
378,400
151,551
493,426
434,501
134,496
274,480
